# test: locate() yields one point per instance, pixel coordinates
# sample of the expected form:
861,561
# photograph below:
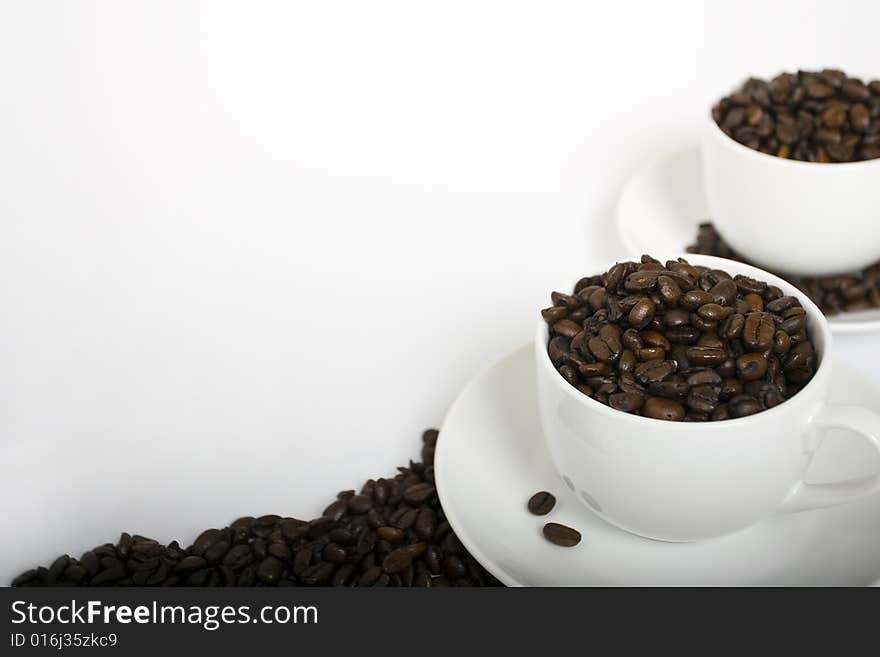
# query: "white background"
248,251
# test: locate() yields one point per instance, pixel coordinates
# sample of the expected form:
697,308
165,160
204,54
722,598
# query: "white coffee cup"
682,481
803,218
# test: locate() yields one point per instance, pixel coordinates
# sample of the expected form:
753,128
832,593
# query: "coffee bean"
758,331
654,370
743,405
661,408
670,291
541,503
418,493
269,570
336,510
752,366
669,389
703,398
566,328
626,401
426,523
642,313
561,535
706,356
714,312
359,504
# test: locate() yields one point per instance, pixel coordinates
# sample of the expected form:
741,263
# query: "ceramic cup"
682,481
803,218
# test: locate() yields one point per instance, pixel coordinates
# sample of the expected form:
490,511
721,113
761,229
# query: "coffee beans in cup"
813,116
393,532
680,342
845,292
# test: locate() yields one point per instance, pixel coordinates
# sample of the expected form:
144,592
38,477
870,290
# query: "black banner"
228,621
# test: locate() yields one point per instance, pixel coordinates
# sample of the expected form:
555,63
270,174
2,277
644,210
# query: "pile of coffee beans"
813,116
392,533
833,294
676,341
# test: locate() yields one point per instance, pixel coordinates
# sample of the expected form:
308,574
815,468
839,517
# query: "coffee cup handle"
859,420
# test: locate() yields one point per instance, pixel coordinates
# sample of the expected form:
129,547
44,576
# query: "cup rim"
732,143
715,262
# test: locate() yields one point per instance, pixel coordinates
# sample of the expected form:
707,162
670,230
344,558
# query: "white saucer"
663,204
491,458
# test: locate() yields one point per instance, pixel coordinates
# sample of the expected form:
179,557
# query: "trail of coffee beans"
391,533
833,294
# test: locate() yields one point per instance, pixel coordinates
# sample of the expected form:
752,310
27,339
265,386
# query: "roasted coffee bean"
743,405
626,401
654,370
670,291
696,298
391,534
724,293
758,331
269,570
359,504
642,313
713,312
703,398
561,535
706,356
566,328
541,503
652,353
418,493
682,334
751,367
661,408
669,389
704,377
426,523
191,563
732,327
816,116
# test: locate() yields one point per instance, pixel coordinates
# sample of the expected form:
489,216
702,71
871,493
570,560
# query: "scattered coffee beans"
676,342
541,503
814,116
561,535
833,294
393,533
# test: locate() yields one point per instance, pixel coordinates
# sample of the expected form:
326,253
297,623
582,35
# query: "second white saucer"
662,206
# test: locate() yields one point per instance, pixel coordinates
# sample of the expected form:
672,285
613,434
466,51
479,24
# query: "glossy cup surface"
794,217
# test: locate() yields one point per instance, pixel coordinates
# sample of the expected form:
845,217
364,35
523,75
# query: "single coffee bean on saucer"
814,116
561,535
833,294
541,503
677,342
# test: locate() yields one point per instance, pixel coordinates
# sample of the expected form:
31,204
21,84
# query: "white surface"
495,421
248,251
688,481
661,207
803,218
